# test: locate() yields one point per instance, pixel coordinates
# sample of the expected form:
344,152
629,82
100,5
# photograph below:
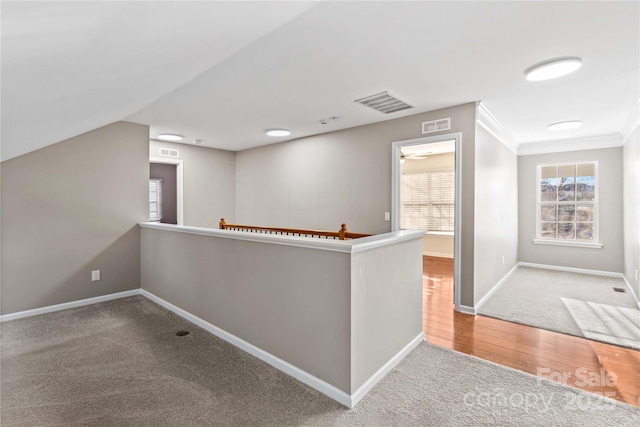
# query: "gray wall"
631,164
322,181
291,302
496,207
71,208
386,305
337,316
209,183
610,257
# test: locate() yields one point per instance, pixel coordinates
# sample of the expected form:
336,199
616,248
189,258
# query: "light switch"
387,216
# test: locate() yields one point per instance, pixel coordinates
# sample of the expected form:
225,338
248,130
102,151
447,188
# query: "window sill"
590,245
439,233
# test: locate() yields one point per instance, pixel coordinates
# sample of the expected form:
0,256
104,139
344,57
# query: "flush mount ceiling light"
565,125
552,69
278,132
170,137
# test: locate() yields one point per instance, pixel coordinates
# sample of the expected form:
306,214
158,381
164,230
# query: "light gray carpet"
572,303
120,363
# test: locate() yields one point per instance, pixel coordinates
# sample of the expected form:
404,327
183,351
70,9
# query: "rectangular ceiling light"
384,102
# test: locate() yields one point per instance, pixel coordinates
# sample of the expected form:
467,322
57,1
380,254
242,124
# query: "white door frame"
395,196
179,182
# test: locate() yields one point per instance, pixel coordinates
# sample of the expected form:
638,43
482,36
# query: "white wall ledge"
334,245
574,244
440,233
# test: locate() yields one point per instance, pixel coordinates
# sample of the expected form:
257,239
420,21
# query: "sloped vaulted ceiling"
223,72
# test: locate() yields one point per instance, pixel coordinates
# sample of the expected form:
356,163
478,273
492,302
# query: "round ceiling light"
278,132
565,125
552,69
170,137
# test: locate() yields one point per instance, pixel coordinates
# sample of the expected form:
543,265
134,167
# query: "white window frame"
595,242
159,201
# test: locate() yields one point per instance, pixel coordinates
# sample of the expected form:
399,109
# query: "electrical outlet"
95,275
387,216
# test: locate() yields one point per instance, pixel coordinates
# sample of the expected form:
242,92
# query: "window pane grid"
567,204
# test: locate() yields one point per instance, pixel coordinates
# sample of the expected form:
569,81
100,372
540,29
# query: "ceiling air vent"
436,125
169,152
384,102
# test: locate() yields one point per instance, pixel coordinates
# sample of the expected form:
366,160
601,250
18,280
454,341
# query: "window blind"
427,201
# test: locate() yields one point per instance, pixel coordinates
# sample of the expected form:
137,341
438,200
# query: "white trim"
632,121
345,246
441,233
384,370
492,125
572,243
395,196
571,269
467,310
297,373
437,254
595,243
495,287
586,271
323,387
631,291
179,183
67,305
578,144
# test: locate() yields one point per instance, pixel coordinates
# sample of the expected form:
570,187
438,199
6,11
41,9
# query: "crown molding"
563,145
632,122
487,120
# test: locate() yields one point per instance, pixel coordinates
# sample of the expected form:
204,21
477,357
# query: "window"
155,199
567,208
427,201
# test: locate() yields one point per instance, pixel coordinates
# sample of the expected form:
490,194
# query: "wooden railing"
342,234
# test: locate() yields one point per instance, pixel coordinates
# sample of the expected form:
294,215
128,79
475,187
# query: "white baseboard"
571,269
323,387
385,369
467,310
585,271
276,362
495,288
437,254
631,291
66,305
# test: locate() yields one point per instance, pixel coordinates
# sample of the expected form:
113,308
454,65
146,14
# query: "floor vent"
384,102
169,152
182,333
619,290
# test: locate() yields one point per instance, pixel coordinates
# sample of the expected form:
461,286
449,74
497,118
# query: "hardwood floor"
592,366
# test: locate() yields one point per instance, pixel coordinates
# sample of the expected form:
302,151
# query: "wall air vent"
436,125
384,102
169,152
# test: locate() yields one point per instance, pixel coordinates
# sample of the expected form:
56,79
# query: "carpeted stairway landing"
121,363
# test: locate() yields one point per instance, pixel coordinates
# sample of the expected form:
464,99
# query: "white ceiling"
430,149
223,72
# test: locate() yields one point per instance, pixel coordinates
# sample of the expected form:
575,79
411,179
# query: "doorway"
165,178
424,173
